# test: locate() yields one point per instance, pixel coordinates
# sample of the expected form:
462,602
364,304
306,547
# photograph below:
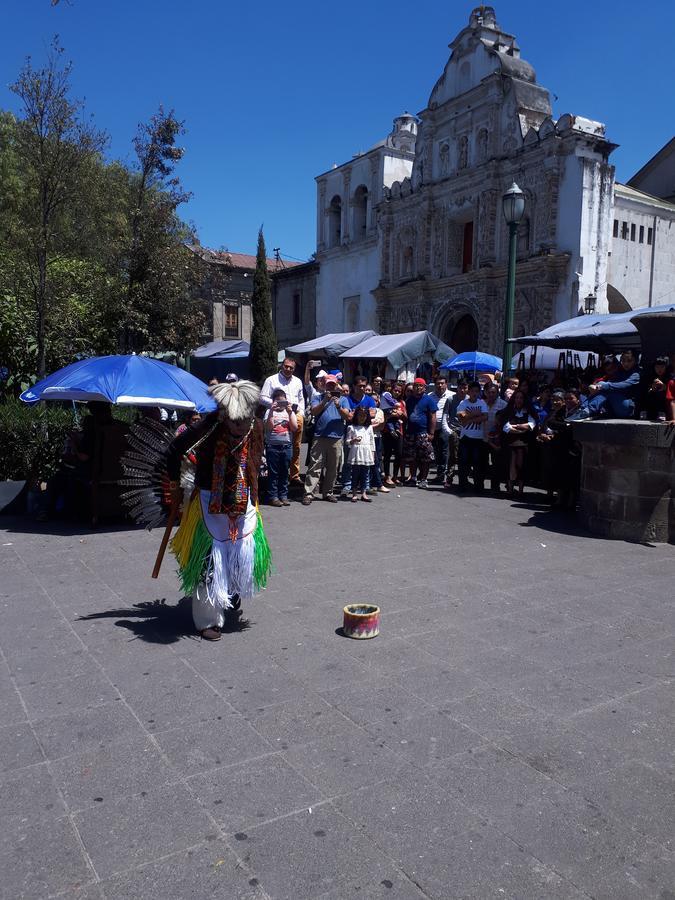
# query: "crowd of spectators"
368,437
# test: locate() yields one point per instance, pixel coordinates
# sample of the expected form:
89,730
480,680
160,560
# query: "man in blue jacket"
617,398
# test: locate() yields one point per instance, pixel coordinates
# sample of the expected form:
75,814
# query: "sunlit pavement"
510,733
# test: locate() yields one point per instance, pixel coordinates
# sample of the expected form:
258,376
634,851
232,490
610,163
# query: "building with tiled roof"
226,288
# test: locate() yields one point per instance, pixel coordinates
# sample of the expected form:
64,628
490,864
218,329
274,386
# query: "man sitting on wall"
617,398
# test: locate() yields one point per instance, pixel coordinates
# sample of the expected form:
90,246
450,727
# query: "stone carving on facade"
463,152
444,159
419,166
487,220
439,242
482,146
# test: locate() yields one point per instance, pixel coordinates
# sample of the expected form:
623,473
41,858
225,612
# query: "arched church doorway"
462,335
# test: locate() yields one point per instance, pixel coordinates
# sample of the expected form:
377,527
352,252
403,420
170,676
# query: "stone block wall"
628,479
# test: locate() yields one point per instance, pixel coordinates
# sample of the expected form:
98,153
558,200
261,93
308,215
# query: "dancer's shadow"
157,622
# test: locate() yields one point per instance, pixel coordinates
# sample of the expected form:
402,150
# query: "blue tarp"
126,381
223,350
473,361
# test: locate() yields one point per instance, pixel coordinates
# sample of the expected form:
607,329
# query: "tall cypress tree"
263,354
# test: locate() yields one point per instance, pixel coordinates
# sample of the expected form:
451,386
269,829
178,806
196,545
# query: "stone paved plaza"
510,734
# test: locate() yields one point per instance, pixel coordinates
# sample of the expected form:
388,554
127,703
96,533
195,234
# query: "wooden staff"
173,512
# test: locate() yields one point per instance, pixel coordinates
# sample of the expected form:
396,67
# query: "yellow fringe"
181,542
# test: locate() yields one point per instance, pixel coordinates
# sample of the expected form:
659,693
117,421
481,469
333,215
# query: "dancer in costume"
221,547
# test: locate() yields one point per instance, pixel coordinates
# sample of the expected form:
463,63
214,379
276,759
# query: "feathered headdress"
237,401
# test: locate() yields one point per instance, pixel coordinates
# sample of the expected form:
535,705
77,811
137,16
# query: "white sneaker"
422,483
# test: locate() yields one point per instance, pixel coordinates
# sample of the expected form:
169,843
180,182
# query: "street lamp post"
513,206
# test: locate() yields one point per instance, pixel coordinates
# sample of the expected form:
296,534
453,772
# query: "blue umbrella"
126,381
473,361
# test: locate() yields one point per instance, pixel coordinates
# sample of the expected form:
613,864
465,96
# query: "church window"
230,320
523,245
360,204
335,222
467,247
616,228
351,313
407,262
632,232
624,230
650,235
297,308
642,234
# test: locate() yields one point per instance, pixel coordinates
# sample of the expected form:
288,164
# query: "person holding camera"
331,412
292,386
280,426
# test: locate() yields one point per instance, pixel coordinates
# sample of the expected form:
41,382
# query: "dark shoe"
276,502
285,502
212,634
329,498
306,500
439,479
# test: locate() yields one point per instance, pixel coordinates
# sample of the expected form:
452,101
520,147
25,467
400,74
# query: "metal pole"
510,297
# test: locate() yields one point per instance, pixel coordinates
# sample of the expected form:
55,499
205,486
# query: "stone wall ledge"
628,479
625,432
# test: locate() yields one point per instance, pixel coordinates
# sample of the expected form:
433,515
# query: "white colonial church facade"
410,235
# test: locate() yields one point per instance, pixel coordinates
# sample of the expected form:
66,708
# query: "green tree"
56,148
160,313
263,353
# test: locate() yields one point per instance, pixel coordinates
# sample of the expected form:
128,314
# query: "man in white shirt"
472,414
441,443
292,387
492,430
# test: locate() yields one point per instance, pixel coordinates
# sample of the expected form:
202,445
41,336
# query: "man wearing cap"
331,413
418,449
291,385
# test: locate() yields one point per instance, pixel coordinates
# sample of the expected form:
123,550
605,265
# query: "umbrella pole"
173,512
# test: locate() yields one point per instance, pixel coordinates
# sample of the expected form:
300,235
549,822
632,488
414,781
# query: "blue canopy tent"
125,381
609,332
217,358
473,361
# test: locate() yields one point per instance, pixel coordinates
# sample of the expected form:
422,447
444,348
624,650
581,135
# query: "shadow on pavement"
64,527
157,622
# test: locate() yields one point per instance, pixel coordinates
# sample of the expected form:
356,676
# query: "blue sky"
273,94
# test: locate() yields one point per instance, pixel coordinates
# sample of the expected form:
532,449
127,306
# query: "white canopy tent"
402,352
331,344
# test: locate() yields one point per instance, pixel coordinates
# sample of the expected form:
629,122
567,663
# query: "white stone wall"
584,221
643,272
353,273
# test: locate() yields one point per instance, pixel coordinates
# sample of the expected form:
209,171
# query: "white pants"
213,595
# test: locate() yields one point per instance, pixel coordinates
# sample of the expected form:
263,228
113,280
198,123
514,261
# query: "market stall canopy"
608,332
332,344
125,381
473,361
223,350
400,349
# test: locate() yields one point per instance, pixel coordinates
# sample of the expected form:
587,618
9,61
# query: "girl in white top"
361,456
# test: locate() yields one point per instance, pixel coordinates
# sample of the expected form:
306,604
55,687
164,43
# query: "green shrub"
32,439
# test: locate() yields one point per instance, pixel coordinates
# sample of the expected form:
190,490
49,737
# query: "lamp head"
590,303
513,204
